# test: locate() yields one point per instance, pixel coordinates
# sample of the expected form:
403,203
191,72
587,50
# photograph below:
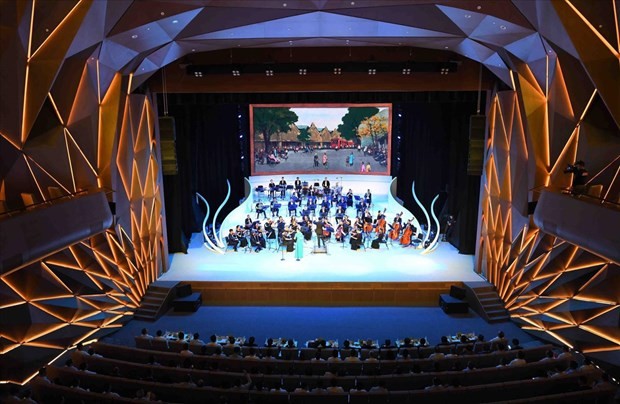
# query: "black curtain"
433,152
208,153
433,147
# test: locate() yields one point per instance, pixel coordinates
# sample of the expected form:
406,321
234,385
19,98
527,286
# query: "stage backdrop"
320,138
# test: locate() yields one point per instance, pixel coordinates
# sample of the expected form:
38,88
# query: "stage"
393,274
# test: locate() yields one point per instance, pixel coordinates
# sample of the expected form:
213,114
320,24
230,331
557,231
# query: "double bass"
395,231
380,225
406,238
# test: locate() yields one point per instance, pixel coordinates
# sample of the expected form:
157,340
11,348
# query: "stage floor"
397,264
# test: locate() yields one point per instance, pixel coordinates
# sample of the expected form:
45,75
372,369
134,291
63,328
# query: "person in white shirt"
519,360
503,362
353,356
500,339
372,356
566,354
437,354
251,355
587,365
243,386
548,356
79,355
84,368
145,334
213,341
196,340
185,352
317,357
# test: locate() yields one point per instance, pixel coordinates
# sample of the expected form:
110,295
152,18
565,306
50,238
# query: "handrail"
570,191
80,192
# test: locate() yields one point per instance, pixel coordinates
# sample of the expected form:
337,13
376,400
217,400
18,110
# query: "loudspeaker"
167,137
475,157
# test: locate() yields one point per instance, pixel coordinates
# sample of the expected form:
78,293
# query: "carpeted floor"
337,323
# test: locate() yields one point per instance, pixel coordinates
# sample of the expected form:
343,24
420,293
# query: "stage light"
197,74
236,73
407,71
445,70
400,116
303,72
337,70
268,72
242,157
398,137
372,72
239,116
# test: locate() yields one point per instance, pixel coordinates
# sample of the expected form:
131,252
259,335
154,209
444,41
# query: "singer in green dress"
299,245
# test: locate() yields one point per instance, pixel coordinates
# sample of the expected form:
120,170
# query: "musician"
232,239
340,233
306,228
356,240
319,232
362,207
258,240
282,184
240,233
275,208
260,210
325,184
395,227
298,185
368,197
358,224
340,212
248,222
346,224
272,188
280,227
311,199
287,239
367,222
349,197
269,231
292,207
328,229
379,238
338,190
380,221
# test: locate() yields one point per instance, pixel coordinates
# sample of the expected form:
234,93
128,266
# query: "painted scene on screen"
326,138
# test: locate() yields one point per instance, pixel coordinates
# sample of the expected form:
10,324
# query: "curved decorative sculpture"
217,235
212,247
428,220
434,244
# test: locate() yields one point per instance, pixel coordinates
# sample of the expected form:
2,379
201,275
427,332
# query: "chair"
260,190
228,246
595,190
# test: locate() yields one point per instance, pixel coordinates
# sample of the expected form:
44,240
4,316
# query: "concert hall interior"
461,154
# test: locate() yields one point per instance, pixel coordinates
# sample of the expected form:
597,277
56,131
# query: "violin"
406,238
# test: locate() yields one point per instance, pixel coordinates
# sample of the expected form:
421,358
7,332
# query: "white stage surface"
396,264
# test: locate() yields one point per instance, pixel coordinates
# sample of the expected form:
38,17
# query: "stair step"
495,312
150,299
491,307
143,310
486,294
484,289
490,299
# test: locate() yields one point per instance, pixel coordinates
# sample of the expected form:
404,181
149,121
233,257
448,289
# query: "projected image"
340,139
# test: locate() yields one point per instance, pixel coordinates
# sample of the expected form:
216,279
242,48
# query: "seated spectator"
185,351
318,389
573,366
583,384
379,388
213,341
269,343
359,389
500,339
151,361
387,344
437,354
180,336
301,389
436,385
548,356
403,355
42,376
250,342
388,355
566,354
145,334
231,342
444,341
470,366
279,389
107,390
587,365
519,360
317,357
238,385
76,384
368,344
251,354
69,364
334,357
515,345
188,382
423,342
93,354
79,355
236,353
218,351
196,340
353,356
334,388
499,348
84,368
480,345
502,362
372,357
159,335
406,343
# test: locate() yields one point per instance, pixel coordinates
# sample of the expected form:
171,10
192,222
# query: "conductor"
319,233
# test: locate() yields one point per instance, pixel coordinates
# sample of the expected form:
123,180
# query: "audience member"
185,351
437,354
196,341
519,360
515,345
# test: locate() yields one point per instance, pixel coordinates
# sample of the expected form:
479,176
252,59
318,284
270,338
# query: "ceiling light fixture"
236,73
303,72
372,72
406,71
197,74
337,70
134,36
268,72
175,21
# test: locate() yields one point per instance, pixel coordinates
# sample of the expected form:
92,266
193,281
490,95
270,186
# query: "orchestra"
363,230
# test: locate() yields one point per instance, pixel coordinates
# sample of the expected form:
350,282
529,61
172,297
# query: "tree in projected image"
374,129
270,121
352,120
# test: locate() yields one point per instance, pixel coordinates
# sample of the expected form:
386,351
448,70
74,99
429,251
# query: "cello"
406,238
367,223
380,225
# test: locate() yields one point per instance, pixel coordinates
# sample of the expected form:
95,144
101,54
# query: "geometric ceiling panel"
601,14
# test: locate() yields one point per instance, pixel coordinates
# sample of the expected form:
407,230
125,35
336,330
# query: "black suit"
298,185
319,233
